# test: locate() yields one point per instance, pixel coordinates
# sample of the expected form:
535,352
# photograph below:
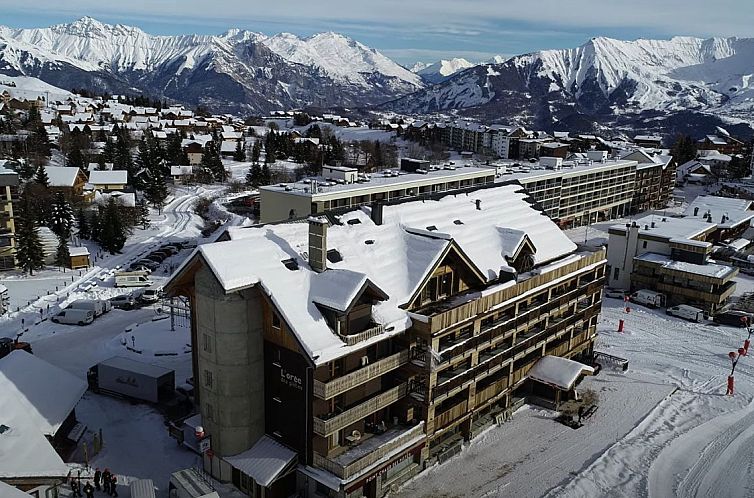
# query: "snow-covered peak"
419,66
444,69
340,57
497,59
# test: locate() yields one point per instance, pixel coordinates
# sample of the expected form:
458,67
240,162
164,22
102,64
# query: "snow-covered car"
615,293
150,295
123,302
87,286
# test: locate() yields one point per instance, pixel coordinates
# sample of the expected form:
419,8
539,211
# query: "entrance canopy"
265,462
558,372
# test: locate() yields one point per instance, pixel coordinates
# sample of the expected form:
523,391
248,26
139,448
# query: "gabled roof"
338,289
558,372
26,382
264,462
114,177
395,257
61,176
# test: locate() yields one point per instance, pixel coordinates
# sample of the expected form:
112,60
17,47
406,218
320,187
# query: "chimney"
722,220
478,204
377,212
653,224
696,211
318,243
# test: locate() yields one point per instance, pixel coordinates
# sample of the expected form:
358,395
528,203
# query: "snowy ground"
664,428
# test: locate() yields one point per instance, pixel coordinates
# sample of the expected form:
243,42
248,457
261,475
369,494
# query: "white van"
71,316
142,488
132,279
95,305
648,298
687,312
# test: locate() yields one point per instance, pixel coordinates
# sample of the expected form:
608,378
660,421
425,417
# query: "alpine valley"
682,84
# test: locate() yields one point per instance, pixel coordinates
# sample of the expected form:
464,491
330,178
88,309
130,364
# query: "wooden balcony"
448,417
352,340
366,454
338,385
325,427
491,391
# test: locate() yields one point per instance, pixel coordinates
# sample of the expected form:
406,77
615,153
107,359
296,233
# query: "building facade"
413,325
8,195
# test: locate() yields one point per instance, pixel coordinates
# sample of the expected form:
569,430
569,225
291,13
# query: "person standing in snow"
76,487
113,485
97,478
89,490
106,481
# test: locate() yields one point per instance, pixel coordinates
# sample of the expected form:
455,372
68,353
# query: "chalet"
421,324
106,181
69,180
724,144
652,141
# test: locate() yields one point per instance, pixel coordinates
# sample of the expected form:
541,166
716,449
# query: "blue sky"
413,30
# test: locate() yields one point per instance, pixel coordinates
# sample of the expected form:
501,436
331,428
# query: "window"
209,412
644,244
616,273
207,343
275,320
207,378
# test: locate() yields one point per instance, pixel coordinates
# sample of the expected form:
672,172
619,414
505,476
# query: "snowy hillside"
26,88
606,78
233,71
342,58
443,69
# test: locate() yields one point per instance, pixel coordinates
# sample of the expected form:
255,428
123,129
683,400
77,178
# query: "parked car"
686,312
156,257
151,264
150,295
97,306
123,302
648,298
615,293
733,318
72,316
140,268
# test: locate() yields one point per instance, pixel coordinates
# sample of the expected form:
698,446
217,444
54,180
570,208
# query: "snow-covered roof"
62,176
394,256
228,146
78,251
265,461
669,228
140,367
114,177
181,170
709,270
8,491
739,244
736,211
25,384
558,372
24,450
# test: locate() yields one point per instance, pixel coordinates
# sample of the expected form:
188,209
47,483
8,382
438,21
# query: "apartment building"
340,356
333,191
577,193
8,194
672,256
655,180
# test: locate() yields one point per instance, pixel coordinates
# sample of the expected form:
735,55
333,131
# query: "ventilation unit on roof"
334,256
291,264
458,222
369,242
432,228
354,221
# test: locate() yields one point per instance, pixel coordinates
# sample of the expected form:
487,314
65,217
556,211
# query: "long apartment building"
8,194
341,355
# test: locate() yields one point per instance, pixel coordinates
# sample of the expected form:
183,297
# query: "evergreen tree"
61,217
41,177
254,176
25,170
143,214
684,149
29,252
239,154
174,152
113,232
266,178
156,190
85,231
63,255
95,225
256,151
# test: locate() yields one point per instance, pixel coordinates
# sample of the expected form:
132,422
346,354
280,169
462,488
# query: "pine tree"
85,231
256,151
156,190
29,252
143,214
254,176
96,225
41,177
63,255
684,149
61,217
266,178
113,232
240,154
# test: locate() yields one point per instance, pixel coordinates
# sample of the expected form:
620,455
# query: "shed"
265,462
79,257
552,376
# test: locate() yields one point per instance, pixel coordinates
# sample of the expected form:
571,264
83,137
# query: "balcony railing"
325,427
338,385
447,417
346,471
354,339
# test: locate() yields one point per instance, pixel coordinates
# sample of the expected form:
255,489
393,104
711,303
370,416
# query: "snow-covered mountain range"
604,79
235,70
441,70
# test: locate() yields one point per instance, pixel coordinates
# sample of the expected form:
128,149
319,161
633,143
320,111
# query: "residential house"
108,180
69,180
